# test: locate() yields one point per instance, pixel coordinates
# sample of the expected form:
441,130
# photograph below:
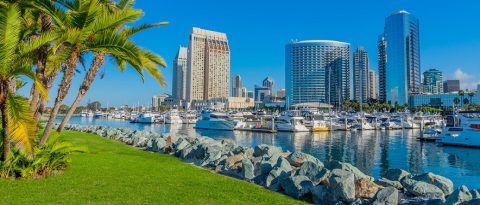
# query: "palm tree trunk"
41,64
97,63
62,92
6,140
48,83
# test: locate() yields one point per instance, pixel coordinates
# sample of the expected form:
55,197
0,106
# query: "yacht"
189,118
173,118
84,113
145,117
288,122
462,129
214,121
319,126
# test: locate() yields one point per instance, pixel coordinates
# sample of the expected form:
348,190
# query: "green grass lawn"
114,173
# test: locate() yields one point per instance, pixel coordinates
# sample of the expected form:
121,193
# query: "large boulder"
459,196
422,189
322,195
386,196
475,194
349,168
264,149
297,158
365,188
472,202
232,162
180,144
342,185
387,183
313,171
446,185
396,174
297,186
247,169
280,171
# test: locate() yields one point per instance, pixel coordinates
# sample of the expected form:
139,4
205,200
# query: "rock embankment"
296,174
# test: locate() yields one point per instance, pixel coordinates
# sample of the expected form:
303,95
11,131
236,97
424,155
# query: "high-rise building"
281,93
433,81
244,92
372,84
261,92
269,83
361,67
401,41
382,66
208,70
250,94
179,81
450,86
237,86
317,71
158,100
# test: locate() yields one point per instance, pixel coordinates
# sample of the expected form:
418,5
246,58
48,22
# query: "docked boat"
173,118
84,113
189,118
215,121
462,129
287,122
145,117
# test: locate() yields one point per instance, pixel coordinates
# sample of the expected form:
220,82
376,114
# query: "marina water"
373,152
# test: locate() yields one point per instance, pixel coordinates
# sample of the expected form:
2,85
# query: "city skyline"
257,62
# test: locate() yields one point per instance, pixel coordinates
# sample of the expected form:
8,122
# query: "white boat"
189,118
215,121
286,122
173,118
98,114
84,113
145,117
462,129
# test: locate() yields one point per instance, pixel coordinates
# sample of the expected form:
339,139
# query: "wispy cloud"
467,80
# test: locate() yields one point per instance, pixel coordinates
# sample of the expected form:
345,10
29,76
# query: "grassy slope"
113,173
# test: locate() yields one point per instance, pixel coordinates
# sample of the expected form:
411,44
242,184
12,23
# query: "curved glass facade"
402,58
317,71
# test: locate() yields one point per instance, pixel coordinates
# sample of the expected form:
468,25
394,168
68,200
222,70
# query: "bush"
47,160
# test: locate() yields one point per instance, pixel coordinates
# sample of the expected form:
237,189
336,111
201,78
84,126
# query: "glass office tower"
402,58
317,71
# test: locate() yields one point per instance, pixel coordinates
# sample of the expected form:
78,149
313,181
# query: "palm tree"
85,28
16,59
456,101
470,95
148,60
461,93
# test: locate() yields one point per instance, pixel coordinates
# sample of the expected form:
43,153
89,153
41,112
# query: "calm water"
373,152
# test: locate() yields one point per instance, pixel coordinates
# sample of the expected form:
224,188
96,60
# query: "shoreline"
296,174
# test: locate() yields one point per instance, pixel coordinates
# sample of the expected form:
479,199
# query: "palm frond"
129,31
21,125
10,26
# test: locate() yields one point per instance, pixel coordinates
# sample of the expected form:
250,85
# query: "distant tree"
456,101
466,101
79,109
94,105
461,93
63,109
470,96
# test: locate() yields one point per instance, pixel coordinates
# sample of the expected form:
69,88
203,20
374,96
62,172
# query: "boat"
98,114
289,122
319,126
173,118
84,113
145,117
462,129
215,121
189,117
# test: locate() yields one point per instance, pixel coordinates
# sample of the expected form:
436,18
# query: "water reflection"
373,152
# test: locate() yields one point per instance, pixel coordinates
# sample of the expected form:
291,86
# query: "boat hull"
214,125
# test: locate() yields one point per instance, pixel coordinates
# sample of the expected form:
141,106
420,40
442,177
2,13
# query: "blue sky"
258,31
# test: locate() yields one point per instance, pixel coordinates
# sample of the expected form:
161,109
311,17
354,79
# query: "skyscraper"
281,93
244,92
361,67
402,57
317,71
372,84
269,83
208,70
179,81
451,86
237,86
382,67
433,81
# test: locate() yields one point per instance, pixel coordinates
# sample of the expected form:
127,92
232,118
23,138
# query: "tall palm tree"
16,59
470,95
149,62
86,28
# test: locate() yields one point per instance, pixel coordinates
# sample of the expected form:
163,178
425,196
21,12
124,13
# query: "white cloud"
467,81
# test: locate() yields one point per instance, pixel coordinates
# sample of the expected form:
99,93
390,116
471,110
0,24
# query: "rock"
159,144
264,149
283,164
322,195
422,189
349,168
247,169
297,158
475,194
313,171
387,183
180,144
212,153
365,188
275,177
342,185
446,185
232,161
396,174
459,196
386,196
296,186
